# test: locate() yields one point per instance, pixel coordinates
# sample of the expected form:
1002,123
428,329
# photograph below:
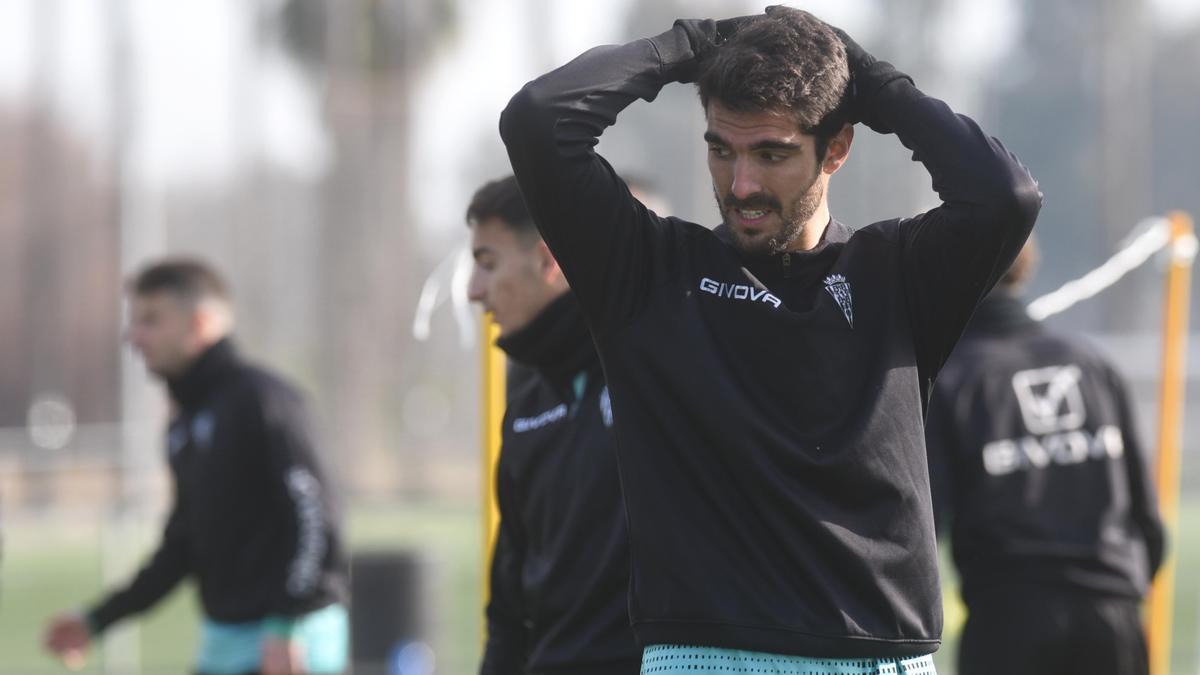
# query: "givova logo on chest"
739,292
524,424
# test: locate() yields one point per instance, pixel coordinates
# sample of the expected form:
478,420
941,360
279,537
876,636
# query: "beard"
793,219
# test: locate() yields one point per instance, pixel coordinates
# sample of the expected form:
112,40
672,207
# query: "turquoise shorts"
672,659
236,648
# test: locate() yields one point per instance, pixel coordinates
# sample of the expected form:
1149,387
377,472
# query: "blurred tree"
364,54
58,266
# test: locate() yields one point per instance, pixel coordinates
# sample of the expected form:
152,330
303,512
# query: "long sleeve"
507,635
298,481
165,569
1143,496
955,253
604,239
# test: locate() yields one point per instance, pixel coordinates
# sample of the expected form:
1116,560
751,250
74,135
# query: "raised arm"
955,253
603,238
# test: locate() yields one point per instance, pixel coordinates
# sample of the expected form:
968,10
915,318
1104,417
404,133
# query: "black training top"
1037,464
560,567
770,438
252,520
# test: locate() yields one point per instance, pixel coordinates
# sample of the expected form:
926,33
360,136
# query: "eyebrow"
475,253
712,137
776,145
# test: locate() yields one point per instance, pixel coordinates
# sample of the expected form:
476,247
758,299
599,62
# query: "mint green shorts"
236,648
672,659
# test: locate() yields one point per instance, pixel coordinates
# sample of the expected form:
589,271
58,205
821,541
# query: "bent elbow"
1027,197
520,118
1017,197
513,113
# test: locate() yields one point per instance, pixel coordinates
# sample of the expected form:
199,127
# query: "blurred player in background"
769,378
560,566
1041,481
252,520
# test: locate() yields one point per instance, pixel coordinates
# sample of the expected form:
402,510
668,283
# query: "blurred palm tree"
363,56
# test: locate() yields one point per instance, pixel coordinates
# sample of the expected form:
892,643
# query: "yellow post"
491,417
1170,424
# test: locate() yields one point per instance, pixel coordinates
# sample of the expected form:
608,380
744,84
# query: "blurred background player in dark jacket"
252,520
1041,481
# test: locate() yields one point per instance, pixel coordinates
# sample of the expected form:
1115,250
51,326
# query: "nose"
476,288
745,179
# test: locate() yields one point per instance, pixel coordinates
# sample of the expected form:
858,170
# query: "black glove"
705,35
868,76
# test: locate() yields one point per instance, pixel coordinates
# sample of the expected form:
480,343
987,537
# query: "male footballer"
768,379
560,566
252,521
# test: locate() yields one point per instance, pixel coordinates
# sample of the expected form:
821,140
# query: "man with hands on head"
252,519
769,378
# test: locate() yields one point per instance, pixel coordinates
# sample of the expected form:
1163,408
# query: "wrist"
281,627
90,622
873,85
878,75
681,48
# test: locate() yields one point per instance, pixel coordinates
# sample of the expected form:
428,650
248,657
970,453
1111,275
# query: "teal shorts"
672,659
235,648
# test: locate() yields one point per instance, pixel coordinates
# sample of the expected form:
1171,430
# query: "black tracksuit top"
560,566
770,443
1037,464
252,520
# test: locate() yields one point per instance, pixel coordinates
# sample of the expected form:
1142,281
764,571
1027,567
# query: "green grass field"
48,566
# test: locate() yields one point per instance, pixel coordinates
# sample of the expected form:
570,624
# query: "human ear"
838,149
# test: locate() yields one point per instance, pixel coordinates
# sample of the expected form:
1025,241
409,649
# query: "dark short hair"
502,199
189,279
789,61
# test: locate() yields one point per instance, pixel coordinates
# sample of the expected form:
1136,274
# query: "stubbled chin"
758,243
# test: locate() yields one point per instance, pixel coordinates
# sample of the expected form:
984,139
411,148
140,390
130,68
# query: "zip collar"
784,265
556,343
191,388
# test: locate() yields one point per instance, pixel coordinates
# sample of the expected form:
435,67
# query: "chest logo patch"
525,424
839,288
202,429
739,292
177,437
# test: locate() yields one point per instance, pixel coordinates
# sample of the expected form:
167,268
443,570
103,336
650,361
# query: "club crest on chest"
839,288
